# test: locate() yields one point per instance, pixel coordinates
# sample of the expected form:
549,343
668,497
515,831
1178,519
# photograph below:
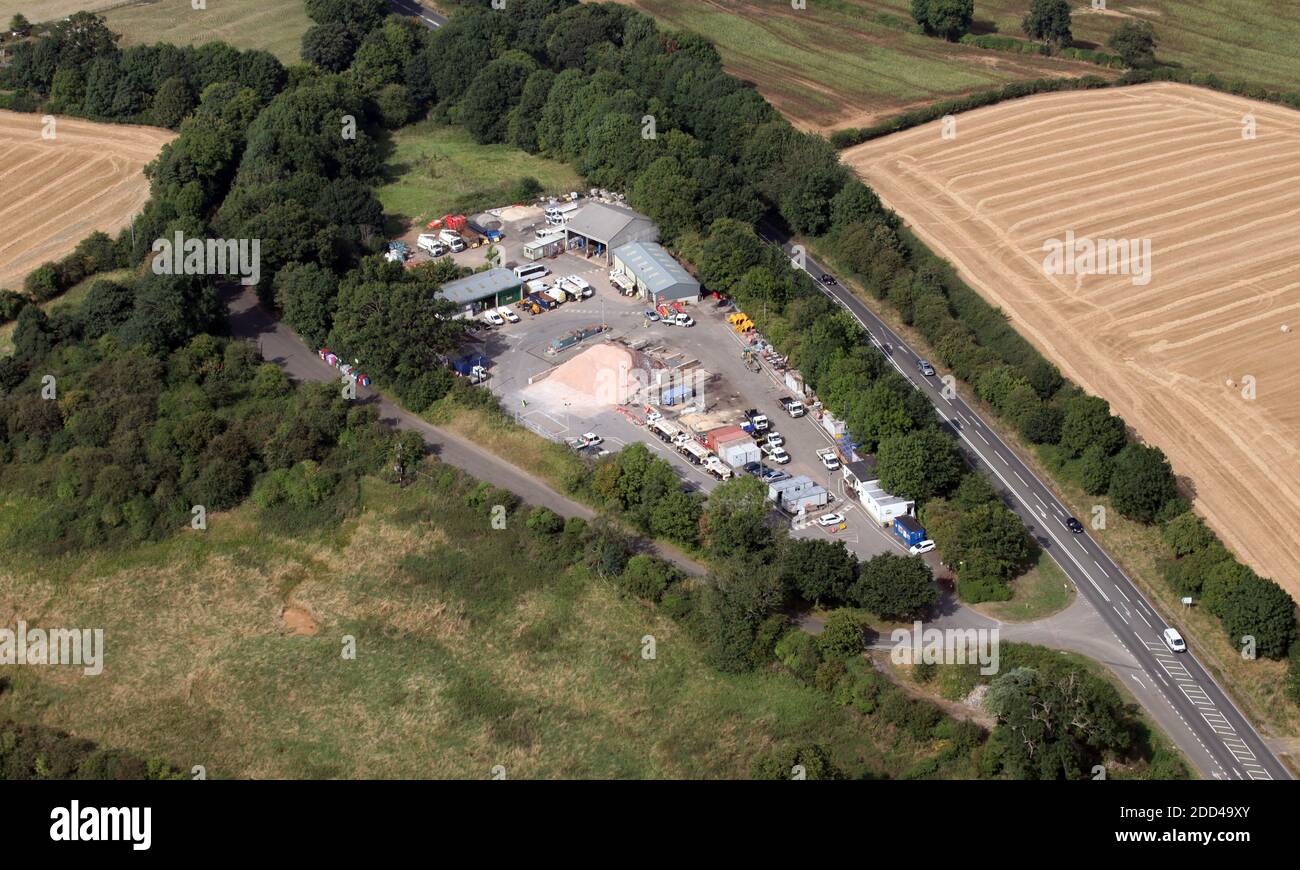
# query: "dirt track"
1161,162
57,191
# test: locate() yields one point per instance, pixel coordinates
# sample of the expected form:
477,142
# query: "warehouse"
599,228
482,290
657,276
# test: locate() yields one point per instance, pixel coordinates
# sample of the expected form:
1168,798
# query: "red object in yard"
433,224
454,222
722,435
680,307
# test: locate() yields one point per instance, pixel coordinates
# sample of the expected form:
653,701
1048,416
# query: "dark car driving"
1074,525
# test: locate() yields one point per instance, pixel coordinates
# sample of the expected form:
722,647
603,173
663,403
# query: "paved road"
412,7
277,344
1206,724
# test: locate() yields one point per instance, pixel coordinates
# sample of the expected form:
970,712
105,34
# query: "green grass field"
1254,40
1039,592
437,169
276,26
838,62
472,651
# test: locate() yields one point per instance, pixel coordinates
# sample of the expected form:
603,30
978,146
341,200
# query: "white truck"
556,293
431,245
576,285
452,240
792,406
829,460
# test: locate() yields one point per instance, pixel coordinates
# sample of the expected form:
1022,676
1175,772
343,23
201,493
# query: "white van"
578,285
1174,641
531,271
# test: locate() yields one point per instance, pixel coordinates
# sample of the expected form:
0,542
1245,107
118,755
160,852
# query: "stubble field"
1204,359
58,191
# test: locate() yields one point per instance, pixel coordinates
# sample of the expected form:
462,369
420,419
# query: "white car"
653,416
828,458
591,439
493,318
923,547
509,315
828,520
1174,641
683,319
776,439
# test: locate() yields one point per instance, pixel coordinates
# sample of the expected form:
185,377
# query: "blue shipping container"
465,365
909,531
675,394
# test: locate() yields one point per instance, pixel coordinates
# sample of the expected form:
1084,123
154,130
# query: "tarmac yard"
519,355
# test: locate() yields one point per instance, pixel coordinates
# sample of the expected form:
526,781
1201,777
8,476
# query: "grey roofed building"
657,274
491,288
606,227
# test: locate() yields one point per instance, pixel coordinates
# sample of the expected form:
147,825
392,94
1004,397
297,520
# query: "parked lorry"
792,406
493,236
665,431
909,531
452,240
557,294
431,244
715,466
757,420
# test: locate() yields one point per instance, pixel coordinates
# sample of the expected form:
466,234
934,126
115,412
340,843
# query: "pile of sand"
602,376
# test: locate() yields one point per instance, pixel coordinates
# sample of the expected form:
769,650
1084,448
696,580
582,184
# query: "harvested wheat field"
1176,355
58,191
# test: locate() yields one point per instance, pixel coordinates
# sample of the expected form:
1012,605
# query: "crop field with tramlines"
59,190
1199,354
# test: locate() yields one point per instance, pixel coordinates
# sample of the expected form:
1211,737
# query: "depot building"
598,228
483,290
655,273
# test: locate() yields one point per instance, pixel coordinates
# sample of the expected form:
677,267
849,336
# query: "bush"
799,652
646,577
1142,482
1261,609
1095,470
543,521
808,761
841,636
1186,533
895,587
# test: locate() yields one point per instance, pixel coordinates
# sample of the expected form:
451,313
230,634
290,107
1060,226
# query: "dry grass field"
1177,356
58,191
